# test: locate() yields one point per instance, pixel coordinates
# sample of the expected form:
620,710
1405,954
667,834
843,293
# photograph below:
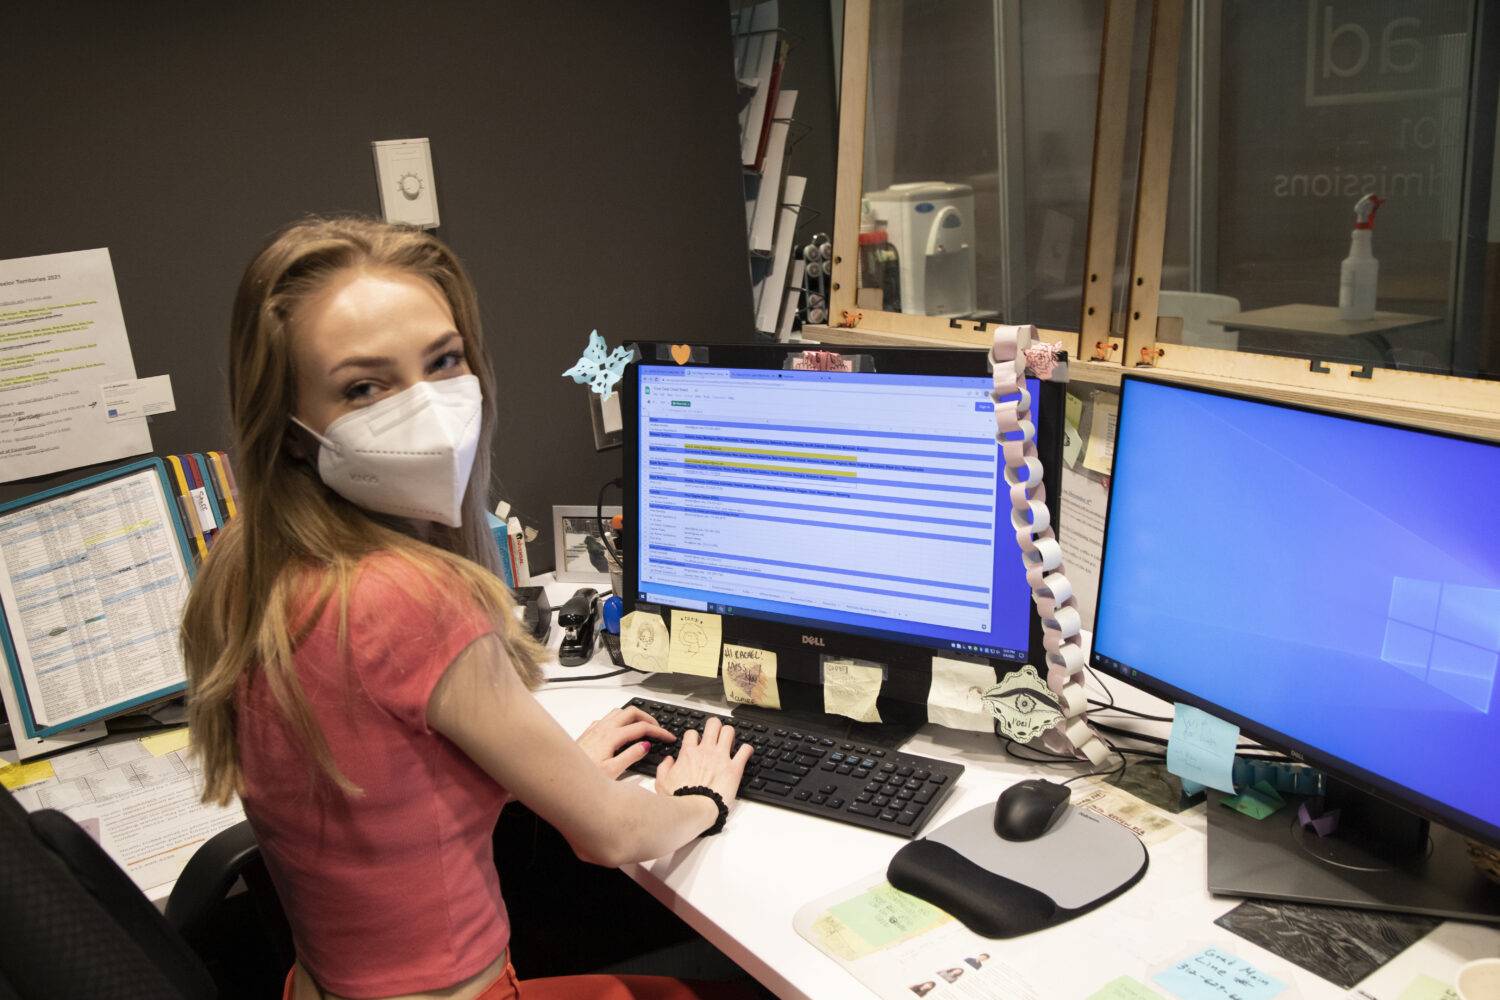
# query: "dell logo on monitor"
812,640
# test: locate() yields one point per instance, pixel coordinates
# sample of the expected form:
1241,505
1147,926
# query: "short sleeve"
405,629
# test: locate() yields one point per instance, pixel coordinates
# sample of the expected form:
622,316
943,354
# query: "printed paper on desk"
644,641
1072,437
131,399
1152,825
956,697
695,643
1100,455
1201,748
750,676
850,689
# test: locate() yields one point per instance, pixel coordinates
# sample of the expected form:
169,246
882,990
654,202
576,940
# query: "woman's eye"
360,390
450,360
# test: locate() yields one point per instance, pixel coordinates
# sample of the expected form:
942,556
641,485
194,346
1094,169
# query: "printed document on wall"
62,335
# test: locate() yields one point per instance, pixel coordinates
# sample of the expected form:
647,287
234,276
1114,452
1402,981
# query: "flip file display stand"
1040,551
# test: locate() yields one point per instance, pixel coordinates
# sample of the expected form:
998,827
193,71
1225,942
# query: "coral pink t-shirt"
393,891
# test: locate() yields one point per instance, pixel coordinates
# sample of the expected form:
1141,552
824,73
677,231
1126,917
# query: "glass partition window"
1291,113
978,152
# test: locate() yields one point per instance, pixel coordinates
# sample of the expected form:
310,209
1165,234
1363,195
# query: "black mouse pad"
1340,944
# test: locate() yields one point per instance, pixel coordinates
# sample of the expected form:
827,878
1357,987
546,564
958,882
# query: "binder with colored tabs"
185,502
222,478
213,511
115,544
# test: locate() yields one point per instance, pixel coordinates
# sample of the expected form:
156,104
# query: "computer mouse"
1030,808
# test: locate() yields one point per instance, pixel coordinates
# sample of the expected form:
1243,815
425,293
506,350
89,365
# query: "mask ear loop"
325,442
1041,555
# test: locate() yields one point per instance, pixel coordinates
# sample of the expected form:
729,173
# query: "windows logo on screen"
1447,635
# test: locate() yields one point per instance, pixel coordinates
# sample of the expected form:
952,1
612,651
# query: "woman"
356,674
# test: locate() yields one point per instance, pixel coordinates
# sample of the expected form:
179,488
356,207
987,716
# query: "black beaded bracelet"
718,801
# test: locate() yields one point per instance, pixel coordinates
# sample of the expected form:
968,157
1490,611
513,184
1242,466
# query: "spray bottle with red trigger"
1361,270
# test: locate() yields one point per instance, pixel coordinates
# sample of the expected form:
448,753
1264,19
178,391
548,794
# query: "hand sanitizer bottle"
1361,270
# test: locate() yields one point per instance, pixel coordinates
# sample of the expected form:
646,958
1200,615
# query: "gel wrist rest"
1003,889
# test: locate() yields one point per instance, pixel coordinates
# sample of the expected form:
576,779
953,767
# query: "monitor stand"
1380,858
889,735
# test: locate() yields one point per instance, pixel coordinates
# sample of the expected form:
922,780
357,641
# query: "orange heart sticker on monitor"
681,353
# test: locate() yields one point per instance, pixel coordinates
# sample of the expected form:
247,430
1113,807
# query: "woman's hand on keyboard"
705,760
619,739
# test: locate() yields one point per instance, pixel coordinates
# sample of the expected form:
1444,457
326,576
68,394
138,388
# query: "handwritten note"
1426,988
885,915
1124,988
850,689
956,697
1201,748
644,641
1217,975
695,643
750,676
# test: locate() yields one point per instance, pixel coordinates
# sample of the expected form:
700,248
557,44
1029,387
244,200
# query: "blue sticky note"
1201,748
1217,975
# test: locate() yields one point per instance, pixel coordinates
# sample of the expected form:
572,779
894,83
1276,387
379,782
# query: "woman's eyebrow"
372,361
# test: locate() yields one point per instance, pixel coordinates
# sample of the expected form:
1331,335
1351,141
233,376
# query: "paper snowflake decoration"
600,367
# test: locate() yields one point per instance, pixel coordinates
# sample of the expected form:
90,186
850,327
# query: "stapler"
578,617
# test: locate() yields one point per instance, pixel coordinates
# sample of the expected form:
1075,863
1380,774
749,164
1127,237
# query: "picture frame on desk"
580,554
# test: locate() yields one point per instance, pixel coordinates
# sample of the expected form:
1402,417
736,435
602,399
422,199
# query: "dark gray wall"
586,160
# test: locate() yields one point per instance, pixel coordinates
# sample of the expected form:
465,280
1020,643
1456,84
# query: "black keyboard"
819,773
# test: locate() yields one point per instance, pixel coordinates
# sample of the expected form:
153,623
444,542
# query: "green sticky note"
1257,802
1427,988
1269,792
885,914
1125,988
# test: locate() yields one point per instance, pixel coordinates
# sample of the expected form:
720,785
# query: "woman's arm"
482,706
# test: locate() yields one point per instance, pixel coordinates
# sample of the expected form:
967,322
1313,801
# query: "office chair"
77,926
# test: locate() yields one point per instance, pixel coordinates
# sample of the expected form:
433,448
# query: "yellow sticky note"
850,689
956,697
695,643
171,741
19,775
644,641
750,676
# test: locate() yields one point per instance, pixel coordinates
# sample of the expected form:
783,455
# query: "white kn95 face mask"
408,455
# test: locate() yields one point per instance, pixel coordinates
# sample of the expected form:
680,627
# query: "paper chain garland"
1040,551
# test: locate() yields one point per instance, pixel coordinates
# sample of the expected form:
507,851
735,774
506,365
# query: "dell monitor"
852,514
1332,586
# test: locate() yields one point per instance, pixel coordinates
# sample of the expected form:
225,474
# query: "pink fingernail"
645,745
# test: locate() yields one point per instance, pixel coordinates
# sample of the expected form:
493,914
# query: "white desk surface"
741,889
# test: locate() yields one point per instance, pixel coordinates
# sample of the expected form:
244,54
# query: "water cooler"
931,225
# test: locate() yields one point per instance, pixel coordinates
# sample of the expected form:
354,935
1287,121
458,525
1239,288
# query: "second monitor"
858,515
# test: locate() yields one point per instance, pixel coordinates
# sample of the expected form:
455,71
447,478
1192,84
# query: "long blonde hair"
248,609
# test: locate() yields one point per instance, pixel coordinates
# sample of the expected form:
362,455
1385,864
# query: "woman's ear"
299,444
